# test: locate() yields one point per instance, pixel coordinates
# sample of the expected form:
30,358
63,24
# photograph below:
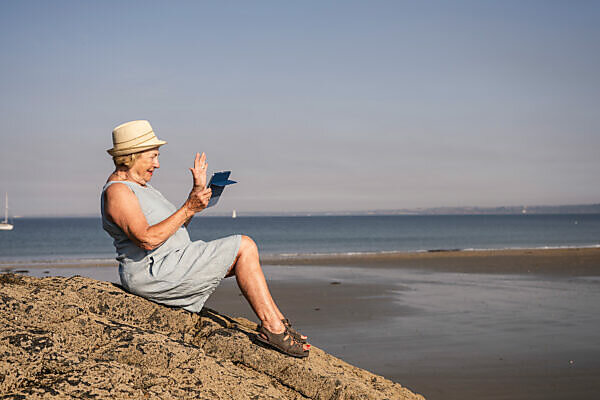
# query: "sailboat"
4,225
233,214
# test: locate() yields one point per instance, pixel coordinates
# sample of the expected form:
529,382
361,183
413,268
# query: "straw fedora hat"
133,137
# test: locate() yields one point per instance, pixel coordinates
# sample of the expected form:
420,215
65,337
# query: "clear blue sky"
314,105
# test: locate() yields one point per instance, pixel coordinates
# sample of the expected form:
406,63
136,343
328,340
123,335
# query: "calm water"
83,238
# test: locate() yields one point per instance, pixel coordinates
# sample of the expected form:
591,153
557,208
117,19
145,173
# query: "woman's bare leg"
252,283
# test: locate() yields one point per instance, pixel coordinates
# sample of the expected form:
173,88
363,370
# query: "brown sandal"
295,334
284,342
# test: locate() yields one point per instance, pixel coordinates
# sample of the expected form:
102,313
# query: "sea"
50,240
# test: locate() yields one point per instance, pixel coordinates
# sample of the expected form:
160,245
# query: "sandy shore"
444,354
572,261
450,325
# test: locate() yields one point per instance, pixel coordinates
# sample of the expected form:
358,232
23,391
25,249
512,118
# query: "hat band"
136,141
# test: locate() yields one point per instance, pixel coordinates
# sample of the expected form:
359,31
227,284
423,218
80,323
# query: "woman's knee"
247,246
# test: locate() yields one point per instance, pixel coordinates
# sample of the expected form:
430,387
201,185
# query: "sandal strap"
282,341
295,334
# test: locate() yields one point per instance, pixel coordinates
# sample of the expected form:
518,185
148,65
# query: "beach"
576,261
518,324
510,324
566,262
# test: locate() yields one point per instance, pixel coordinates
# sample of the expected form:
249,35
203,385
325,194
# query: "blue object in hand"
217,183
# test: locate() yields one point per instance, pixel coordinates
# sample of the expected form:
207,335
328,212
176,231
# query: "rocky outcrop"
81,338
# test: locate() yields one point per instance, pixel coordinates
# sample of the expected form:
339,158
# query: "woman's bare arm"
122,207
199,177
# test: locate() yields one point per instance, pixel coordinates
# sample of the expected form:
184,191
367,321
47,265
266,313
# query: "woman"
157,259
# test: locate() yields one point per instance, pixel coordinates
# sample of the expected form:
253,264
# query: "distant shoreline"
576,261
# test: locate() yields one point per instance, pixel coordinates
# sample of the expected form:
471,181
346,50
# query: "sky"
313,105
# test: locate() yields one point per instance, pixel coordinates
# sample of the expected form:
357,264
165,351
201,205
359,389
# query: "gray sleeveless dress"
179,272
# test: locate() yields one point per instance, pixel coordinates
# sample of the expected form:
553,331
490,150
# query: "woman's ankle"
273,325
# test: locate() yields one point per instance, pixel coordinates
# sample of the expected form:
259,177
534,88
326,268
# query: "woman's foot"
284,342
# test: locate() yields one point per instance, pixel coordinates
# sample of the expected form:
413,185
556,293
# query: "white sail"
233,214
4,225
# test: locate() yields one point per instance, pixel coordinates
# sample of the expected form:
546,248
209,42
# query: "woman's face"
145,164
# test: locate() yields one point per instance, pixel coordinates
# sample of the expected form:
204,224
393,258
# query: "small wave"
332,254
591,246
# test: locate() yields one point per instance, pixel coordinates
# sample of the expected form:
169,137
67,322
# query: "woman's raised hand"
199,171
200,194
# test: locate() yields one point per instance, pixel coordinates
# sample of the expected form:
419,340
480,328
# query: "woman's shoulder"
115,187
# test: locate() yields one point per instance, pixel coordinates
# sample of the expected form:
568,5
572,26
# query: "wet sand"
511,324
451,325
567,262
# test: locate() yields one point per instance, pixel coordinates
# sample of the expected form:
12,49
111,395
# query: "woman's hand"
198,199
199,171
200,195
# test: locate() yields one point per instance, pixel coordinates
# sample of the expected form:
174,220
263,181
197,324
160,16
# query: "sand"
567,262
454,325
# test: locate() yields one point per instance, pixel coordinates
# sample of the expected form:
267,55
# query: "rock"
82,338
